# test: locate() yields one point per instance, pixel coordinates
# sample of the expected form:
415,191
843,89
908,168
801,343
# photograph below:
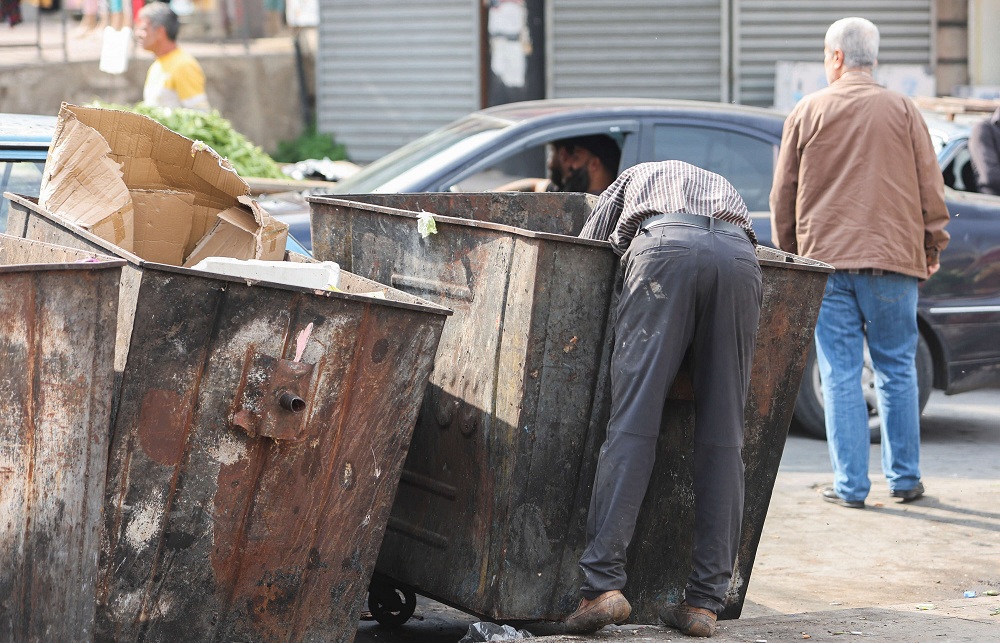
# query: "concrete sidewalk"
893,573
975,620
965,620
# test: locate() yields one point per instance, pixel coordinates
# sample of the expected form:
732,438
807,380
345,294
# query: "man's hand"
933,260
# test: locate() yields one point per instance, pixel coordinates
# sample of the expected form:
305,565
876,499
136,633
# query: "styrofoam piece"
321,275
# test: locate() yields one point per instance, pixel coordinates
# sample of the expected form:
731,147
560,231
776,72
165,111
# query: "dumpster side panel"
566,339
24,221
56,381
219,533
792,299
443,483
149,441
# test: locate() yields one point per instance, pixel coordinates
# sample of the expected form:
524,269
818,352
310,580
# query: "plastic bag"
483,632
426,225
116,50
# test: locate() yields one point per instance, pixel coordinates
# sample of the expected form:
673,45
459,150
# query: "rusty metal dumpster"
491,509
58,309
256,446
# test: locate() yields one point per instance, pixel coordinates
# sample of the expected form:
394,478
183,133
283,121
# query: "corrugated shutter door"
388,72
768,31
642,48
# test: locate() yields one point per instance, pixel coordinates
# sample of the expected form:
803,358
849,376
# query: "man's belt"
696,220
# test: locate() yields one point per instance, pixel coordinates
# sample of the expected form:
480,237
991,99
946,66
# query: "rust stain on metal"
161,424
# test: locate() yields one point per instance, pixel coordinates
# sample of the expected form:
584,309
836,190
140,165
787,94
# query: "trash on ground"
926,606
969,593
991,592
482,632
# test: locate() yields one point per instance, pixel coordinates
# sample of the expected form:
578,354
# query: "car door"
523,154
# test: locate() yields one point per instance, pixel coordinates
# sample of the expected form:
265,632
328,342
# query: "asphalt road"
817,561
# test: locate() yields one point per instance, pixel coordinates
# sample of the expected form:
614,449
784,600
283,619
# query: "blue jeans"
883,308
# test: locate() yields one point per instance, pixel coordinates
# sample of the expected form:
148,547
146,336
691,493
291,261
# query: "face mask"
578,180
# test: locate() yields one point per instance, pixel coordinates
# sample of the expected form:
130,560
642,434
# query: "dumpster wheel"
391,606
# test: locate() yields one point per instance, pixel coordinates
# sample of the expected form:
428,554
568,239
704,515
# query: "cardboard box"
113,170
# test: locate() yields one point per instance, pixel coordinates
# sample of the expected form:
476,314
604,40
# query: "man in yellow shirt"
175,78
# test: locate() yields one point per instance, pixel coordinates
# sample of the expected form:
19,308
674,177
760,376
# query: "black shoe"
831,496
909,495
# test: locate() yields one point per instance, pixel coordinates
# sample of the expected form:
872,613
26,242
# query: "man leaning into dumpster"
690,283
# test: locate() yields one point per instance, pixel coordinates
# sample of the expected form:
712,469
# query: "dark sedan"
959,310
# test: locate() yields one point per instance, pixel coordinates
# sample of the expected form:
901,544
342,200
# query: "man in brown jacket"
857,185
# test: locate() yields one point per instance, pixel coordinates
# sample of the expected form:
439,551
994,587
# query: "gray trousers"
684,287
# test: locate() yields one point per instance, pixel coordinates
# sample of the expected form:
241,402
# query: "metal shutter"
767,31
388,72
642,48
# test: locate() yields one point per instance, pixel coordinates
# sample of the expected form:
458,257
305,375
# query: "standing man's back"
863,176
857,185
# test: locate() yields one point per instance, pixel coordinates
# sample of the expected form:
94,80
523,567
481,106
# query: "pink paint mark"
300,342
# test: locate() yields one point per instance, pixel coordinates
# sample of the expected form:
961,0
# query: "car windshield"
427,154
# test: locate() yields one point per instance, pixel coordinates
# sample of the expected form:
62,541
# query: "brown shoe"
592,615
693,621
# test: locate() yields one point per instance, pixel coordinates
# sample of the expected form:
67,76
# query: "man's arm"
603,218
785,187
931,183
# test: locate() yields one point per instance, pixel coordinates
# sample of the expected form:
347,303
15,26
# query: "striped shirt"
648,189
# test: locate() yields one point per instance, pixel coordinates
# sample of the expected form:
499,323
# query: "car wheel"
808,414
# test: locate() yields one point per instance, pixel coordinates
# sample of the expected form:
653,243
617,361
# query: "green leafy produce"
310,145
214,131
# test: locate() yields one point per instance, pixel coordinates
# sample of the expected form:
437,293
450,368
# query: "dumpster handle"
291,402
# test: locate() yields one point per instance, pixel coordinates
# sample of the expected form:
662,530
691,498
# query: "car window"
419,159
19,177
745,161
521,165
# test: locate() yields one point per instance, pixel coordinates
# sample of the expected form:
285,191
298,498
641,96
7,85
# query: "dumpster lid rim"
470,223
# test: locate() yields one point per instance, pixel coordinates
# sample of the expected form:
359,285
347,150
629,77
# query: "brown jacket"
857,183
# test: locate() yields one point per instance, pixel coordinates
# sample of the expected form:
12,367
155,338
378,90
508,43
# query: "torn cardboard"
162,224
180,193
83,184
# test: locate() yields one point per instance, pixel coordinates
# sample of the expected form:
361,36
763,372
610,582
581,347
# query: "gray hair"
857,38
160,14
